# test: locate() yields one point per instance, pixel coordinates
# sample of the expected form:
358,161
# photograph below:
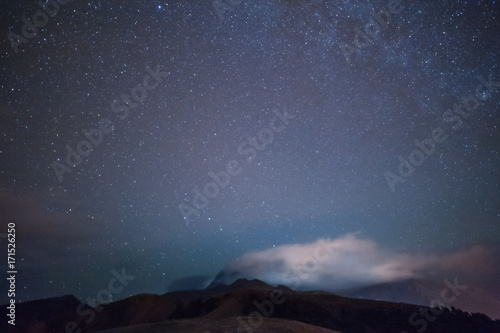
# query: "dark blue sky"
357,94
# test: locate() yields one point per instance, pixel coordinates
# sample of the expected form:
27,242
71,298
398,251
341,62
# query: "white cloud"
349,261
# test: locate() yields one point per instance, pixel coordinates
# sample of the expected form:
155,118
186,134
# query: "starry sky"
173,139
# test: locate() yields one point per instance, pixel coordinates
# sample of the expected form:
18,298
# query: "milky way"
172,138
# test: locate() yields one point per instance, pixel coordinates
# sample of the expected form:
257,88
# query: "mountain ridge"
245,306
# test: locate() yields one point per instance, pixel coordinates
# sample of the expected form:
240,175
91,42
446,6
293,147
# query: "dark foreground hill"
244,306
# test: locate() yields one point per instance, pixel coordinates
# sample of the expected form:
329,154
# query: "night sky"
174,139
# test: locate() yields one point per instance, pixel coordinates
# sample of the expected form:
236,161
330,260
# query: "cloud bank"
349,262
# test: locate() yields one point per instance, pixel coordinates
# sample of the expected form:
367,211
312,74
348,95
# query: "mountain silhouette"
423,291
243,306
